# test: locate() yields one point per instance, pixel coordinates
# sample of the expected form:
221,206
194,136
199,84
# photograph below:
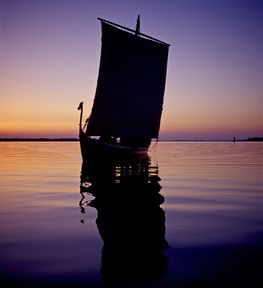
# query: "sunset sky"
49,59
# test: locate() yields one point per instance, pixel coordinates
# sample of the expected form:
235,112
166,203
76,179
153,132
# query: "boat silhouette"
127,107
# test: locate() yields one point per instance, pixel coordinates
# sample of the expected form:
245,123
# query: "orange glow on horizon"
38,130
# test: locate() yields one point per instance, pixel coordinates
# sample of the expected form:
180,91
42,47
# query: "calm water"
200,225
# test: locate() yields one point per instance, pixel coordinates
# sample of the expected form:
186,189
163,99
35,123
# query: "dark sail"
130,88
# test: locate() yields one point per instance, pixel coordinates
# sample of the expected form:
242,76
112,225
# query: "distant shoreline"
17,139
39,139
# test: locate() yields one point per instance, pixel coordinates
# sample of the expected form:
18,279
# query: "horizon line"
74,139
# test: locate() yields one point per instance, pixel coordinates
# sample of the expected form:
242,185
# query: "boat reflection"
130,220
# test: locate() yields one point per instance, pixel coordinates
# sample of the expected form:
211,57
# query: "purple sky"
50,56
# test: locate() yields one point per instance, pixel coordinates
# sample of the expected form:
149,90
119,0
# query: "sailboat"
127,107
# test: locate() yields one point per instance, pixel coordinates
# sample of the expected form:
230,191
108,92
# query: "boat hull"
92,147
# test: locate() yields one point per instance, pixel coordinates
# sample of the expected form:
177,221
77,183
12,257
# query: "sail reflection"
130,220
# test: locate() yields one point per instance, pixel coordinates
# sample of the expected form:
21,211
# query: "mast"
131,30
137,31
